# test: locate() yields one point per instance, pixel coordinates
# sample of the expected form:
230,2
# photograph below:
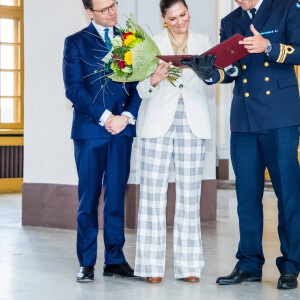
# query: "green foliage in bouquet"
133,56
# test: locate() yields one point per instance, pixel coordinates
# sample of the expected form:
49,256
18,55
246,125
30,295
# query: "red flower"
126,34
121,64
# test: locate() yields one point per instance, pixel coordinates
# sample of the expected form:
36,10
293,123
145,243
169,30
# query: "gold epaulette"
222,76
284,51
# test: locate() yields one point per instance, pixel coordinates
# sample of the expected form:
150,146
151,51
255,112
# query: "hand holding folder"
227,53
202,65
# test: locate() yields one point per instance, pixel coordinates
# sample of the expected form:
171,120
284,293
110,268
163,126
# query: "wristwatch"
268,47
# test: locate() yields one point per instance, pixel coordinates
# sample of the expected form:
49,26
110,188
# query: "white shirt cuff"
131,118
208,80
235,73
104,117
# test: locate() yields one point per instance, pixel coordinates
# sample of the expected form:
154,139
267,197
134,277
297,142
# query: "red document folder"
228,52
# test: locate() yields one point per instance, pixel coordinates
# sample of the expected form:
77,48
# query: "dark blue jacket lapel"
262,16
115,31
243,20
92,31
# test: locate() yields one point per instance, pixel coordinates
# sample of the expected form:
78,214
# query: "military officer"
265,118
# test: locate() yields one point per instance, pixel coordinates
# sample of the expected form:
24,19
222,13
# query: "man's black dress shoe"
287,281
86,274
123,269
238,276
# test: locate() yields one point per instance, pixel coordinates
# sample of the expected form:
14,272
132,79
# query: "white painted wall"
48,115
224,96
202,15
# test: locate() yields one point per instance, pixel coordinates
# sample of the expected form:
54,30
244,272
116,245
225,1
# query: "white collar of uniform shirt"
100,30
257,6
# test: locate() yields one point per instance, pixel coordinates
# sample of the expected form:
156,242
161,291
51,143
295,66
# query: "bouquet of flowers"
133,55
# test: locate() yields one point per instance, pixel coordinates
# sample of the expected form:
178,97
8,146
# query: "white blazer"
159,107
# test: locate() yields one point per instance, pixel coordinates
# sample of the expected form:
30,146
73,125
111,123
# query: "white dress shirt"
131,120
101,31
257,6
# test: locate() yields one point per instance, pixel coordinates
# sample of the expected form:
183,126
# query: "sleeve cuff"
150,87
232,71
222,76
284,51
280,52
104,117
131,118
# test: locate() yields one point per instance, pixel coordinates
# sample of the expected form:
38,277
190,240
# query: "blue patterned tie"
107,39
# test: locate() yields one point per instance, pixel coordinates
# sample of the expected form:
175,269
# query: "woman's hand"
161,73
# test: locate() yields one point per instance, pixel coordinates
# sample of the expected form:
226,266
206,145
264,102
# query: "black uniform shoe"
123,269
287,281
86,274
238,276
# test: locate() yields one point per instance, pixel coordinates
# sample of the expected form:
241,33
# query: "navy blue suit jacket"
266,95
82,56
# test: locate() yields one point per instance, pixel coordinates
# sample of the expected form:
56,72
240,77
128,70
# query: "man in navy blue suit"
103,130
265,118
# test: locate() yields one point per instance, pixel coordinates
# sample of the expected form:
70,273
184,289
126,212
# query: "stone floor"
40,263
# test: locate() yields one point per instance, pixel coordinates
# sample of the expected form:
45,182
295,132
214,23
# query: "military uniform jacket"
266,95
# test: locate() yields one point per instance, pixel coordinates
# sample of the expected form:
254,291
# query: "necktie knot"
253,12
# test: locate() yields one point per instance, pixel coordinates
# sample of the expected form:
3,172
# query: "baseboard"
223,169
11,185
55,206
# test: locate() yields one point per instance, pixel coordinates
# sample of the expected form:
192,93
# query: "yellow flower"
130,30
128,58
129,39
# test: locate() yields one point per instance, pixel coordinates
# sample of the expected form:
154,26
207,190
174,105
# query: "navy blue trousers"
102,160
251,153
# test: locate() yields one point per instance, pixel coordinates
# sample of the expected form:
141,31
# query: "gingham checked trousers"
188,153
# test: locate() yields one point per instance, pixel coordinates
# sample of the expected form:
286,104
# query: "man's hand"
202,65
111,116
116,124
255,43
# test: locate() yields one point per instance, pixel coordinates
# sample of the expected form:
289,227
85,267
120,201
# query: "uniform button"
267,79
266,64
268,93
245,80
247,95
244,67
181,86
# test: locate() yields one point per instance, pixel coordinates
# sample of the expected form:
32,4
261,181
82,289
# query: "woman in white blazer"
174,125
